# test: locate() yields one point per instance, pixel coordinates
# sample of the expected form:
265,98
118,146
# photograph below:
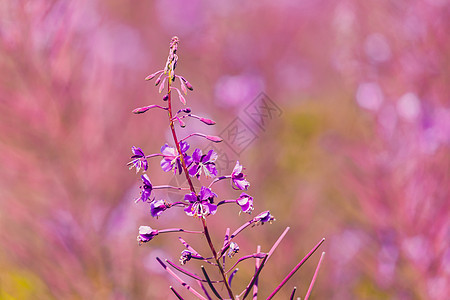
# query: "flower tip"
140,110
207,121
214,139
182,99
189,86
151,76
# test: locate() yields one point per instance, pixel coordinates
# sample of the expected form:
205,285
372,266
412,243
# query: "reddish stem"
175,139
191,186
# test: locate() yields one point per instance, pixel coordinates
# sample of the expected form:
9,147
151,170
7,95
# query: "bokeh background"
359,154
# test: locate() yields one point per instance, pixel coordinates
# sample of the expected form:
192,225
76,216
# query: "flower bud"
207,121
141,110
189,86
214,139
183,88
151,76
182,98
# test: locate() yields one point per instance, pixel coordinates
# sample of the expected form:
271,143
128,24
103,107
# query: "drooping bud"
151,76
183,88
166,97
182,124
158,80
161,87
182,98
207,121
214,139
188,85
141,110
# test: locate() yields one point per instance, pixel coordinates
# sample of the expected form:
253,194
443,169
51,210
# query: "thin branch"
158,187
255,277
212,138
187,286
314,277
214,253
211,286
179,230
226,201
257,265
195,253
141,110
218,179
187,273
269,254
204,290
176,294
232,275
254,255
295,269
293,293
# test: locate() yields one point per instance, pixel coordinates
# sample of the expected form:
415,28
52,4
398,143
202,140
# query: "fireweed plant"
201,204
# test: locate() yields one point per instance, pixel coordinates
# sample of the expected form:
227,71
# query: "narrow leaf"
314,277
210,283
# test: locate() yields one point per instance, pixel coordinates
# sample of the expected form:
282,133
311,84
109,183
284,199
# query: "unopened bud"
166,97
141,110
182,99
183,88
151,76
207,121
189,86
214,139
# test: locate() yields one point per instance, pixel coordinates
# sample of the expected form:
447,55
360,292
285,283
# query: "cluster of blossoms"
198,204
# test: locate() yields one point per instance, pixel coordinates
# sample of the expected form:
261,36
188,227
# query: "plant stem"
174,135
191,186
214,253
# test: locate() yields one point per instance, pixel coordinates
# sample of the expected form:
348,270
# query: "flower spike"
200,202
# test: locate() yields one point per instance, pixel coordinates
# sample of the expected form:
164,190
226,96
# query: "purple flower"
234,248
146,234
171,160
202,205
139,160
263,217
203,163
147,188
238,178
245,202
157,207
186,256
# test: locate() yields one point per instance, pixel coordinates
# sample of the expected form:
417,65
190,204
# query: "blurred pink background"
358,153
